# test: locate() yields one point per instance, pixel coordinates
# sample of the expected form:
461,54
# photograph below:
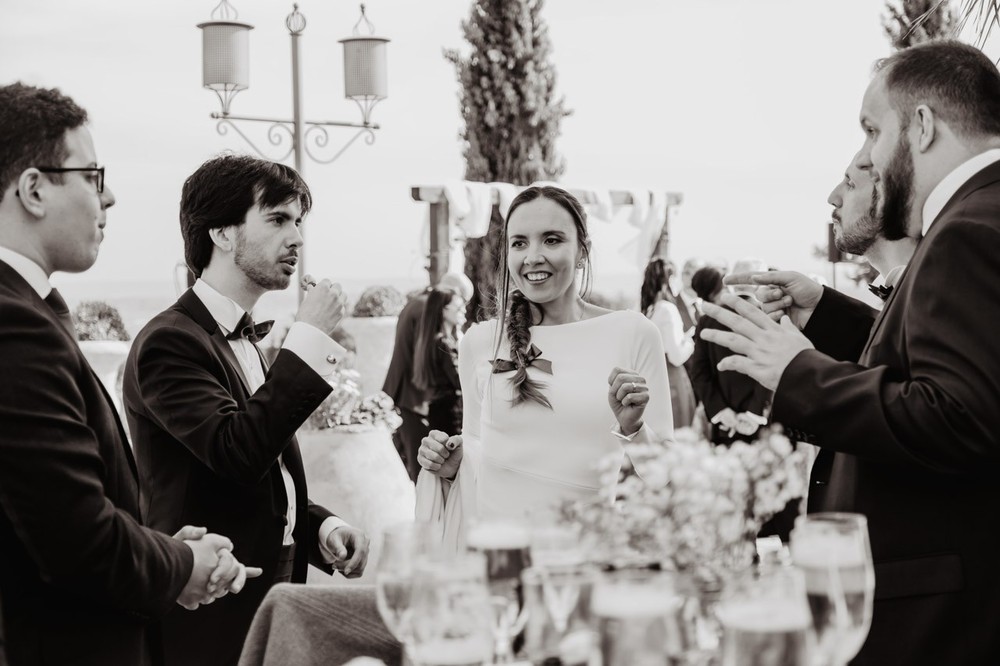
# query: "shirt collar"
951,183
32,273
891,278
223,309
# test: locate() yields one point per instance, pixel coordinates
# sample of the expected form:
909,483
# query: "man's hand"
350,545
216,571
726,419
762,348
441,454
748,423
781,293
323,306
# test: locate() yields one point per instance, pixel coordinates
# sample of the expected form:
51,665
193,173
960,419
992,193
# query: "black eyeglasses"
98,170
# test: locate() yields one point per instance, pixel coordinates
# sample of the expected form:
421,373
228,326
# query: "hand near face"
782,292
628,396
441,454
762,348
350,545
323,306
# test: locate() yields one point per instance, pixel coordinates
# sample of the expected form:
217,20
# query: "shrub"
97,320
379,301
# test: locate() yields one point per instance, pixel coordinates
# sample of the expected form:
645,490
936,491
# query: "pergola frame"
440,222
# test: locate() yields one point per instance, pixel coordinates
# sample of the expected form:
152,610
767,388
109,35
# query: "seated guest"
214,426
82,581
435,360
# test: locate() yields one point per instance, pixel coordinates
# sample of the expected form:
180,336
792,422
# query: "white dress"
528,459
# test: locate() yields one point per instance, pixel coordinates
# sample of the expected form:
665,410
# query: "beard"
897,191
260,270
862,234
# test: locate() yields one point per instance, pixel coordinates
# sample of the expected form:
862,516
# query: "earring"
579,264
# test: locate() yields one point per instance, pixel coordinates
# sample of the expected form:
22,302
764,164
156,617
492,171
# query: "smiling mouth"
534,277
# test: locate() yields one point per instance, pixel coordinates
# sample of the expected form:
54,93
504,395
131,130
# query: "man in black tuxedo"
910,432
81,579
410,400
214,426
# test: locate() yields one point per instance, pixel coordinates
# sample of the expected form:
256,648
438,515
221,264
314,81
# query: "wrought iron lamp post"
225,70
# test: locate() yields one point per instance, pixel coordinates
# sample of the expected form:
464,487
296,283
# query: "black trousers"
407,440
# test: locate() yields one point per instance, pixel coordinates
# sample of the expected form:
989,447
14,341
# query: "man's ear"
223,237
30,187
924,121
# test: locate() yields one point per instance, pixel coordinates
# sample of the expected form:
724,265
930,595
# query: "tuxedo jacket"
909,423
398,383
208,456
80,577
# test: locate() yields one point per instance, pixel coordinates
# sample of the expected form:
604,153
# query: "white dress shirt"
28,269
307,342
951,183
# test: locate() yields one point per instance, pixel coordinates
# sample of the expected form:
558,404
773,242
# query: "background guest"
410,400
435,360
662,307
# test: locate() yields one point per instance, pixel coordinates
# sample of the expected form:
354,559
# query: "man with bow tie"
214,426
861,229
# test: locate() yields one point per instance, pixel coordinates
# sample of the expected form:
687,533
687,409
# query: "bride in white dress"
537,420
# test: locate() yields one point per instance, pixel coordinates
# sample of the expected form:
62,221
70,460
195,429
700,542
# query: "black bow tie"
880,291
249,330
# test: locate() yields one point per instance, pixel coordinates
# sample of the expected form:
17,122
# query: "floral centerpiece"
348,410
689,505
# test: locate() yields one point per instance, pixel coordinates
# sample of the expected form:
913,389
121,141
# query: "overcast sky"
747,107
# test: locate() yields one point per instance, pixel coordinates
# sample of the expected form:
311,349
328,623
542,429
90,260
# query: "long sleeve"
55,475
181,392
839,326
658,416
703,373
936,405
676,344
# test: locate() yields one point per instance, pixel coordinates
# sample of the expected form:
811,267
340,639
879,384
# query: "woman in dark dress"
435,360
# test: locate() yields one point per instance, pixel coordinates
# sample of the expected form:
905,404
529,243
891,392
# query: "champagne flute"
403,545
834,553
451,623
557,603
765,619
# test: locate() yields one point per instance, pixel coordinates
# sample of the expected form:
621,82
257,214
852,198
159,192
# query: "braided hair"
513,309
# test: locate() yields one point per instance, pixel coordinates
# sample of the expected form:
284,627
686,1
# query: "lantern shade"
365,75
225,54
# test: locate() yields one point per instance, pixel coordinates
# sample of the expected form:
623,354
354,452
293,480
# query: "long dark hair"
427,371
513,309
658,273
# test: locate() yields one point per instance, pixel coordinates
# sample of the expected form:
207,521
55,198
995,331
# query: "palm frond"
984,14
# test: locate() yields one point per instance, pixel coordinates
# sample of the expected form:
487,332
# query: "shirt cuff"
325,529
317,349
643,435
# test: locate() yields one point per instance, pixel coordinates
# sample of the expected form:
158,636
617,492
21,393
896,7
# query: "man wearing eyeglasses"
80,577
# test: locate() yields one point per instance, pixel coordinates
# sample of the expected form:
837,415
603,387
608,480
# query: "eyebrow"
279,213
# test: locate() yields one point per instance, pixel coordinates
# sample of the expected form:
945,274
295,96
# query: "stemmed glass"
765,619
403,545
450,619
834,553
557,602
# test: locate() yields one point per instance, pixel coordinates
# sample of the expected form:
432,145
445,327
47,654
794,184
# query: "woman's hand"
441,454
628,396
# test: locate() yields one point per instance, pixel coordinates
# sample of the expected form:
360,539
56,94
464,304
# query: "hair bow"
531,358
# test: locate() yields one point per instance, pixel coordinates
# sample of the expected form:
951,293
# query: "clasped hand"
350,546
628,396
216,572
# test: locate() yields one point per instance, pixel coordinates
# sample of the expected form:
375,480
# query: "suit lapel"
192,305
885,309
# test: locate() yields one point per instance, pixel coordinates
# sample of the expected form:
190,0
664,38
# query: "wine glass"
450,620
834,553
403,545
557,603
765,619
637,614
